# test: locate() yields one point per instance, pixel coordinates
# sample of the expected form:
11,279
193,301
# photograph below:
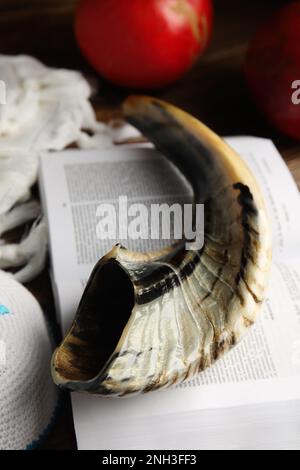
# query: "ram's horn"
148,321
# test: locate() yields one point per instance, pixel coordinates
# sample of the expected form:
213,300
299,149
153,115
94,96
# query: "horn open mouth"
102,316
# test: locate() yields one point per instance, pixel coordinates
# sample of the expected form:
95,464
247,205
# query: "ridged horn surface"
148,321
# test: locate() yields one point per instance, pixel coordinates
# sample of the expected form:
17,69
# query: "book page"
83,180
264,368
259,427
280,191
86,179
140,177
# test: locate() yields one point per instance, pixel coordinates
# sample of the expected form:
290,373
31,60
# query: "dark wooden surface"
214,91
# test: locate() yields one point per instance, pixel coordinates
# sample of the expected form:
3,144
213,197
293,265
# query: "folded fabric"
43,109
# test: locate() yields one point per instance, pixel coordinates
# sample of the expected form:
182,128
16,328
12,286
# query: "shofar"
149,321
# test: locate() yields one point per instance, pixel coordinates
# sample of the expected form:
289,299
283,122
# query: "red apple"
143,43
273,69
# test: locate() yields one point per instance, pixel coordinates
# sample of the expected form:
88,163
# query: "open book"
250,399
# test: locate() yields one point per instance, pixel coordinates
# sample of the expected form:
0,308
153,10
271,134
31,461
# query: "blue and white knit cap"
28,397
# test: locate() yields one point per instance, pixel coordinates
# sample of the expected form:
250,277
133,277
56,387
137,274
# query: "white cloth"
46,109
28,397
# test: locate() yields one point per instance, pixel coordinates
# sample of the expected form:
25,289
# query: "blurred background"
214,90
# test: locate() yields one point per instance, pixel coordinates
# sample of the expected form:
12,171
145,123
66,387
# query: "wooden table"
214,91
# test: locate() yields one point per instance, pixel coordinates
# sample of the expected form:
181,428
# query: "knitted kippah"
28,398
